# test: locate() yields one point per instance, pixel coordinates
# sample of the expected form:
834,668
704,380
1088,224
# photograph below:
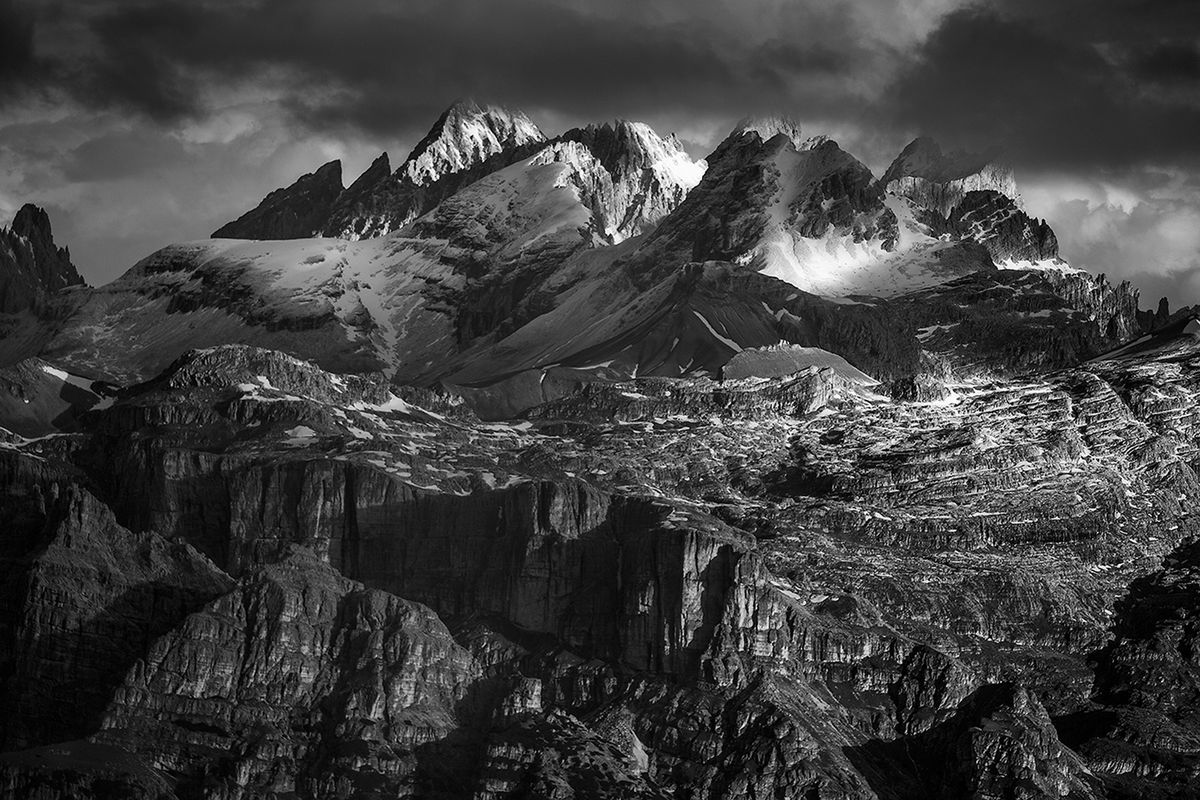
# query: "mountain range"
576,467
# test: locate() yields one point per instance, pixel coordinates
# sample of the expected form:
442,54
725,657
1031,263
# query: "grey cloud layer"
387,66
1051,81
1053,97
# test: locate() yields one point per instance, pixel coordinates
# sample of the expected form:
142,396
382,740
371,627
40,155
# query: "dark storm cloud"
387,67
1070,79
142,62
16,40
533,55
1168,63
1056,89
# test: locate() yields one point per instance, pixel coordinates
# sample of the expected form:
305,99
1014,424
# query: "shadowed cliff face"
32,267
86,598
279,580
1142,728
296,663
39,286
291,213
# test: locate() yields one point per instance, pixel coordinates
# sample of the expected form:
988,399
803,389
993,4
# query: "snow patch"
725,340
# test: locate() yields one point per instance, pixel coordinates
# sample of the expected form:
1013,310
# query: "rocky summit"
577,466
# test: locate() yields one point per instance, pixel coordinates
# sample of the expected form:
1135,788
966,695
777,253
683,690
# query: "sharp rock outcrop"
32,266
468,141
294,212
938,180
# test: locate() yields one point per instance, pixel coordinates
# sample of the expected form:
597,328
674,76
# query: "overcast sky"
142,122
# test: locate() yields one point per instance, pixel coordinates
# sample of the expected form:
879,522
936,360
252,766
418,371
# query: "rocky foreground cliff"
252,578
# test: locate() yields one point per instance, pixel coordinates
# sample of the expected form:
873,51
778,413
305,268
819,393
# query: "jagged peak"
566,151
49,265
937,179
289,212
381,167
330,170
31,222
650,174
464,106
769,126
464,110
328,174
626,127
637,143
924,157
464,135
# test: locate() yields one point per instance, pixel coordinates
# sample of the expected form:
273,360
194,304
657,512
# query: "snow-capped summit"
465,135
936,179
772,125
468,141
813,217
973,196
650,174
554,202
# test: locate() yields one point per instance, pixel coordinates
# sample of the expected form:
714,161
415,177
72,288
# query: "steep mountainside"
403,303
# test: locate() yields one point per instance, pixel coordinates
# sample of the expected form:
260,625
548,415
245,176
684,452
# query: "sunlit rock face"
650,175
573,467
973,196
938,180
